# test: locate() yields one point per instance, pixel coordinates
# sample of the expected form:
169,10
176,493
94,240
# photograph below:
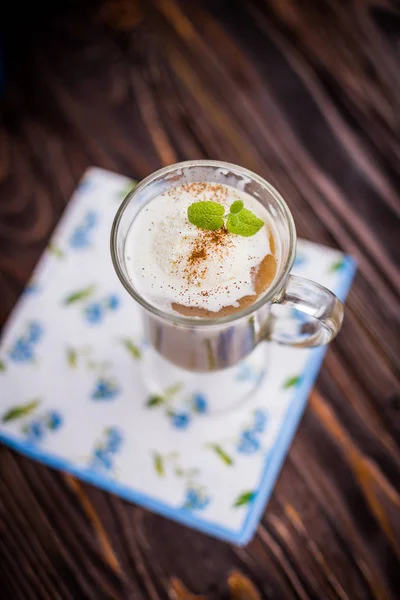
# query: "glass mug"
196,347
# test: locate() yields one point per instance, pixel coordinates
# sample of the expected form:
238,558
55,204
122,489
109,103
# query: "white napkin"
71,391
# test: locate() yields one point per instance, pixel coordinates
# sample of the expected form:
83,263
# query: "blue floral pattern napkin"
72,394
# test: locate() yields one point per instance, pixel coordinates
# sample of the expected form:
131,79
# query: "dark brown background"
306,93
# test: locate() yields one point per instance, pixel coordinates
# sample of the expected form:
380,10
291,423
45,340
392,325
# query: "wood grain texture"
307,94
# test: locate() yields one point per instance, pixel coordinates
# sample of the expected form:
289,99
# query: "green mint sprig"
210,216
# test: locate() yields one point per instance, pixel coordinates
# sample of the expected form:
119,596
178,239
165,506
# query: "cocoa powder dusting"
197,255
217,191
205,242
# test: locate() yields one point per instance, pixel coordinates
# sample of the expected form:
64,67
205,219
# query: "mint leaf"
244,223
210,216
236,207
233,220
207,215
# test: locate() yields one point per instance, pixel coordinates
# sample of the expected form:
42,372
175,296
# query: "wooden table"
307,94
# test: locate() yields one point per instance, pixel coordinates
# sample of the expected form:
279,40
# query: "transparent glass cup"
204,351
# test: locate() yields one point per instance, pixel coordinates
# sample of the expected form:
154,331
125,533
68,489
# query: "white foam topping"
169,260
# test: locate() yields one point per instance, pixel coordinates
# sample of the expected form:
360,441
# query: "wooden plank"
306,94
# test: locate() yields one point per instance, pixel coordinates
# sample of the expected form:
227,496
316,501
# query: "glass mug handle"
323,311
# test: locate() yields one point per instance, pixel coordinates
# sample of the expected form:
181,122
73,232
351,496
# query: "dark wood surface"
306,93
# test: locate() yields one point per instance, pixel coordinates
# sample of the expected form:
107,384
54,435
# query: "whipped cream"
169,260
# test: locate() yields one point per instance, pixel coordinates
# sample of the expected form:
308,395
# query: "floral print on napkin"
72,361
